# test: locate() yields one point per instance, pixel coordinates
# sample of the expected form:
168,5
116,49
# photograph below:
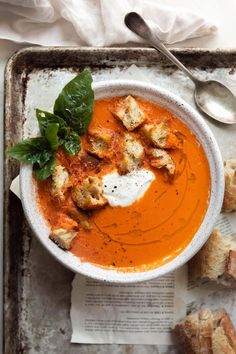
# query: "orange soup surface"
155,228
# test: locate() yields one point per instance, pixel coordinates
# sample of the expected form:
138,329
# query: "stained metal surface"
37,288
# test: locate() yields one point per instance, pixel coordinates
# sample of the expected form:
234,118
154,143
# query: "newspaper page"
140,313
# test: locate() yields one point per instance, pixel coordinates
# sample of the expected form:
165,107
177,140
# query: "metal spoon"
211,97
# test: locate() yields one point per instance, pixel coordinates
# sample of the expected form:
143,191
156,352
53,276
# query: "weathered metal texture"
36,287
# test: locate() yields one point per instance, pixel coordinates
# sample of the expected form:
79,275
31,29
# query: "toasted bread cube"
100,142
161,136
129,113
133,154
60,181
229,203
161,159
89,195
80,216
63,238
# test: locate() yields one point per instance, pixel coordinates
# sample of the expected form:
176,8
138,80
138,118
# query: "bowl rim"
215,201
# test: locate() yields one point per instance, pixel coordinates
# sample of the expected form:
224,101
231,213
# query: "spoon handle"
138,25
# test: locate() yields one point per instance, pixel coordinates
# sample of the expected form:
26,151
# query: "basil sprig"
72,115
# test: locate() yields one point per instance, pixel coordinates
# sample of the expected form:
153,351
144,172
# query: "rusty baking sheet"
36,287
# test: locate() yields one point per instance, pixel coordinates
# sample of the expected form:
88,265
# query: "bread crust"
186,332
229,203
231,264
222,320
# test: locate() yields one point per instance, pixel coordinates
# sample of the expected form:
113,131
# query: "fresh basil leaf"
75,102
63,133
46,170
51,135
34,150
44,118
72,144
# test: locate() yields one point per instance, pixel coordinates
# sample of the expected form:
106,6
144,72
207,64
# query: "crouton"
89,195
205,332
80,216
215,261
129,113
133,154
63,238
161,136
60,182
161,159
229,203
100,142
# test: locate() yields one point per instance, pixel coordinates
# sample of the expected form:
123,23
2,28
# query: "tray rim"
175,50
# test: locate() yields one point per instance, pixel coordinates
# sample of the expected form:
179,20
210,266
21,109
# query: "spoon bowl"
211,97
216,100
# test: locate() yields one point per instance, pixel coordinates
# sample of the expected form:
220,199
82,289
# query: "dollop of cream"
124,190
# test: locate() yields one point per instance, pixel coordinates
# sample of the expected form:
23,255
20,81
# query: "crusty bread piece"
203,332
215,261
100,142
133,154
231,264
220,343
160,135
89,195
63,238
159,158
195,332
60,182
229,203
222,320
129,112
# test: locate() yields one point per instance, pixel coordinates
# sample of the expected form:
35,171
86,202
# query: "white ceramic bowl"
197,124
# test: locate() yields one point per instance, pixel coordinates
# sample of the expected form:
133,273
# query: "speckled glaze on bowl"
204,135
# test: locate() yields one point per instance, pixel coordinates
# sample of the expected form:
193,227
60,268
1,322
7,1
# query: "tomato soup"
155,228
